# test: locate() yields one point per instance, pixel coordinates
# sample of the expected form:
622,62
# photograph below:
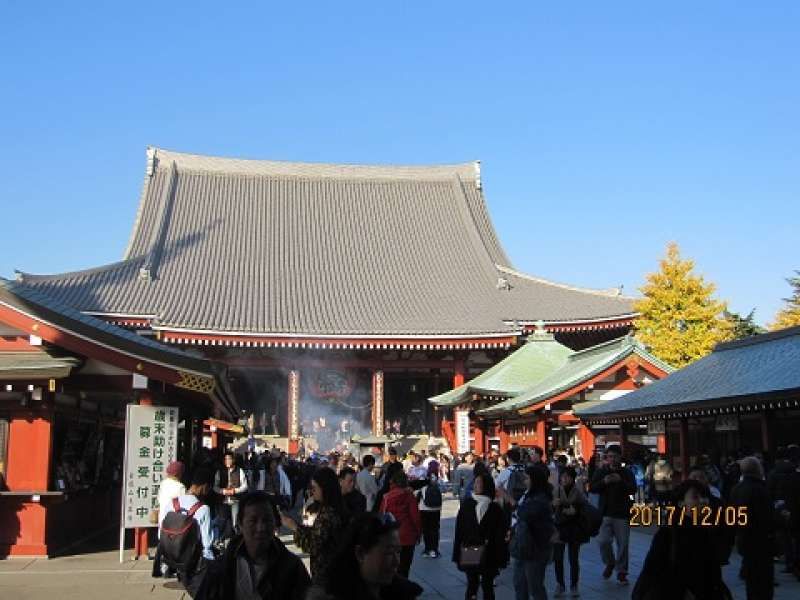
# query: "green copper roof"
579,367
537,358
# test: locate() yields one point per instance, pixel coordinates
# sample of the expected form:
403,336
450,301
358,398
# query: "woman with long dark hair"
481,524
320,538
366,563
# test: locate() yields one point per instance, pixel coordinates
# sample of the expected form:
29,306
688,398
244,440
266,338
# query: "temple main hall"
343,293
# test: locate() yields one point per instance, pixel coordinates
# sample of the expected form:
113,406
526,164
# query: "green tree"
789,315
742,327
680,320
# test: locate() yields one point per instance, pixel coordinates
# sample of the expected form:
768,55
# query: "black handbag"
471,556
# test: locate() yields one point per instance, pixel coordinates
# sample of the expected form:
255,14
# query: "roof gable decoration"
580,371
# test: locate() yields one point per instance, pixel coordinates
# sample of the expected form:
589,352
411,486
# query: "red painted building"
65,379
531,397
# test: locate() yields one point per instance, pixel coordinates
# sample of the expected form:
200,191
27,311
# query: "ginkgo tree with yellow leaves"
680,319
789,315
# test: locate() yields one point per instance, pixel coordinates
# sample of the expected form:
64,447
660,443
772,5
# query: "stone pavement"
99,575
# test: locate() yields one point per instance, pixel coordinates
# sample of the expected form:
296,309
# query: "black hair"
331,492
393,450
562,459
690,484
258,499
537,450
570,471
368,460
400,479
346,471
514,455
364,532
488,484
539,481
614,449
201,476
480,468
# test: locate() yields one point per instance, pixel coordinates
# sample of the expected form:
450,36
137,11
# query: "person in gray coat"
463,476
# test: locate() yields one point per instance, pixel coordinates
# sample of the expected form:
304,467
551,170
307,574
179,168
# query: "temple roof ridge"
162,158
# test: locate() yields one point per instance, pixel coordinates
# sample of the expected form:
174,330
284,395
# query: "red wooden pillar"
293,410
683,444
479,436
377,403
503,437
28,469
458,373
541,435
586,437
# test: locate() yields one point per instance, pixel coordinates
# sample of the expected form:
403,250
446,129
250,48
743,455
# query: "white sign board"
462,431
151,443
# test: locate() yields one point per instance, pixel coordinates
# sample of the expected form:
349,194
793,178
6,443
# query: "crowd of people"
516,509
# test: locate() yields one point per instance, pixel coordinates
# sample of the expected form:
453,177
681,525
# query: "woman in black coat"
481,522
682,562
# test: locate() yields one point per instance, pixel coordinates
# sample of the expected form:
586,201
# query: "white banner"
151,443
462,431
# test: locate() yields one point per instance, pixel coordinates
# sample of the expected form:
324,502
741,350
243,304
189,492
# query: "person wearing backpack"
430,511
512,479
185,543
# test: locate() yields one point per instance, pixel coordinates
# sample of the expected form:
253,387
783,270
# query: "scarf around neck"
481,505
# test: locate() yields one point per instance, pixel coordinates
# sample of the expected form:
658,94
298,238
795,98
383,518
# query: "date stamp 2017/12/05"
699,516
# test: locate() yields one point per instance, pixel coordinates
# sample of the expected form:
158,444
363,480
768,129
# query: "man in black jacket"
354,501
756,537
616,485
256,564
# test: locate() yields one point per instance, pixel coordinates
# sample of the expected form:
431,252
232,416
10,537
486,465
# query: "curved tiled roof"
263,247
533,361
749,368
578,367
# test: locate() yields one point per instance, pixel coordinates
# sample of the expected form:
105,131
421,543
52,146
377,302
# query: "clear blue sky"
605,129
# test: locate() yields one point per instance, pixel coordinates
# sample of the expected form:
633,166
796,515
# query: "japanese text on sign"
462,431
151,434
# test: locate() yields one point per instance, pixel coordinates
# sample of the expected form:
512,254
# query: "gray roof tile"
263,247
761,364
